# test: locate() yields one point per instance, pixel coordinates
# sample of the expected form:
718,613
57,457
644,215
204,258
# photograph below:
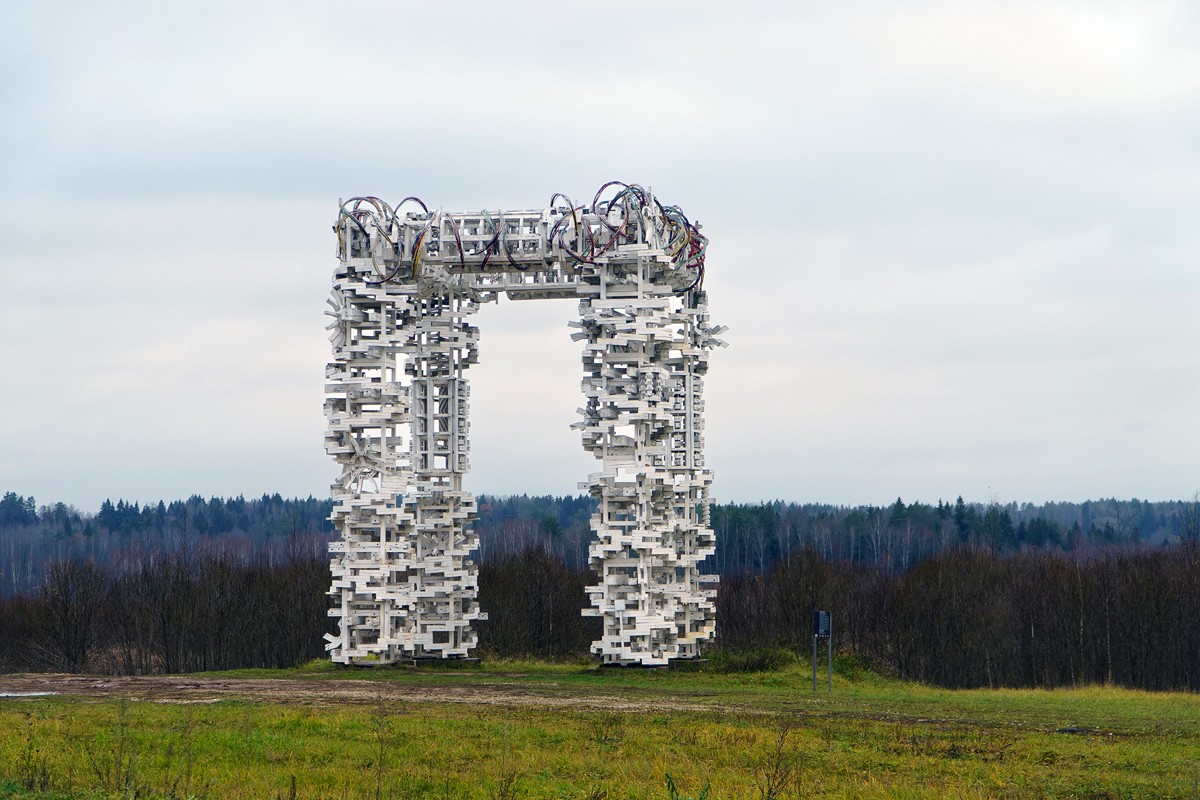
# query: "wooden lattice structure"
406,285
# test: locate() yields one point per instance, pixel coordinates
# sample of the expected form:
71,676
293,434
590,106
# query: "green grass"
873,737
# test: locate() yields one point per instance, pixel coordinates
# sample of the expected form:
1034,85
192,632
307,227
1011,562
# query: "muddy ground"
204,689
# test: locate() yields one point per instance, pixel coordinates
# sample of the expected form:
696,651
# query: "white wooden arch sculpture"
408,280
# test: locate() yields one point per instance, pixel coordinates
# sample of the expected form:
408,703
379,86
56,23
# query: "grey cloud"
954,242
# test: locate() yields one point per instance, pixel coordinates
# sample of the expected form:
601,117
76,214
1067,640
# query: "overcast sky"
956,243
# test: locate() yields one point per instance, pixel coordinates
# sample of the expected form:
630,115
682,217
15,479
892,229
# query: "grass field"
554,731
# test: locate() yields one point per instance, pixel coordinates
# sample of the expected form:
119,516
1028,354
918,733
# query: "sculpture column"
644,360
443,580
403,583
366,409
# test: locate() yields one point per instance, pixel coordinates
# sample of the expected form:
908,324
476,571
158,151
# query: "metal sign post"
823,629
829,653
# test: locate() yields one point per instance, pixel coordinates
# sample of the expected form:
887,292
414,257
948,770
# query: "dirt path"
203,689
460,688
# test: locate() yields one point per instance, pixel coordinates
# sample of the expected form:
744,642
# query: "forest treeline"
964,617
969,617
751,538
33,537
205,607
953,594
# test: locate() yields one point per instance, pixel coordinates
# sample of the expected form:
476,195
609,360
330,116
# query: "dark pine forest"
954,593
